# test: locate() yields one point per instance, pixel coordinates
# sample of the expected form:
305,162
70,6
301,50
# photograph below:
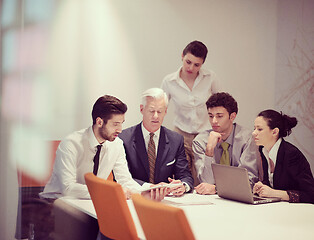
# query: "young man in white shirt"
75,154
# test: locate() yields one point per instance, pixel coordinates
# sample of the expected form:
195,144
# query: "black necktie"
96,160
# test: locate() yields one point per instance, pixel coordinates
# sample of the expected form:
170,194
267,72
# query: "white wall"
294,71
125,47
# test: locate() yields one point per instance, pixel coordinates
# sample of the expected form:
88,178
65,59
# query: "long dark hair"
278,120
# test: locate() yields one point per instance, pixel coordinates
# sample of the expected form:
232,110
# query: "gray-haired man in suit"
168,163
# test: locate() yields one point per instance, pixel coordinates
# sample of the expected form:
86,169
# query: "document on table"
172,185
188,199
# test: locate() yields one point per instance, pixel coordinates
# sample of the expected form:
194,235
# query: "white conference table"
225,219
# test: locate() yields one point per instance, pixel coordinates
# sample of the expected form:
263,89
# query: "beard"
106,135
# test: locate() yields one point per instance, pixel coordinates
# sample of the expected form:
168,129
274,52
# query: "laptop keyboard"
257,198
260,199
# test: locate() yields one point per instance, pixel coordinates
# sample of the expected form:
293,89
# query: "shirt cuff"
187,187
146,185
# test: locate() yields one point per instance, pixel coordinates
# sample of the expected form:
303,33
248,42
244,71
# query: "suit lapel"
265,167
140,149
279,163
163,148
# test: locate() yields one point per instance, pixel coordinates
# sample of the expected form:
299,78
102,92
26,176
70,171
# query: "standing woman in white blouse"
286,171
189,88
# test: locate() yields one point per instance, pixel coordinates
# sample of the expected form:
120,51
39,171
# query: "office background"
58,57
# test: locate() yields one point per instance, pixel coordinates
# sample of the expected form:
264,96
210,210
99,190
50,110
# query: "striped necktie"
151,152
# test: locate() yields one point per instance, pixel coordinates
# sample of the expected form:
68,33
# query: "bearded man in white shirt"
75,155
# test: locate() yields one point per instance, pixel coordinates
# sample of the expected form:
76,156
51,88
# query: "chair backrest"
160,221
113,214
26,180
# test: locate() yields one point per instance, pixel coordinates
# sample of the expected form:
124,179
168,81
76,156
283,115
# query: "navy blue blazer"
170,161
292,172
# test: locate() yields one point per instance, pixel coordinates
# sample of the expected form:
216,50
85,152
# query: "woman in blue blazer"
286,172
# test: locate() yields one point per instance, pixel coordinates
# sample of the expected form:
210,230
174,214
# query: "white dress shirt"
146,137
190,105
74,158
272,154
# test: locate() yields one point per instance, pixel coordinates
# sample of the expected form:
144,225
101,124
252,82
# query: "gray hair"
156,93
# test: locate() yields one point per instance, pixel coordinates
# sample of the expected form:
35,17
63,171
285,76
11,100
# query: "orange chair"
160,221
71,223
110,177
113,214
25,180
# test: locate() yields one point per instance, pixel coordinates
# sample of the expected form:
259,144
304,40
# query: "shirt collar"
274,150
146,133
93,142
230,139
201,74
177,75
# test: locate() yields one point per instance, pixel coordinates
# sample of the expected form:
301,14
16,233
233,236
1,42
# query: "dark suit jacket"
292,172
170,161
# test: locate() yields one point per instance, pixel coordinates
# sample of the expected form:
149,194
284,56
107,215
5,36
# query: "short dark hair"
196,48
106,106
223,99
278,120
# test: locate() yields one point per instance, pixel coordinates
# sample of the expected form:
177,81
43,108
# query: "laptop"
233,183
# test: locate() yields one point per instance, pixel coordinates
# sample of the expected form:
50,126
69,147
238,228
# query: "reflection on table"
212,217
